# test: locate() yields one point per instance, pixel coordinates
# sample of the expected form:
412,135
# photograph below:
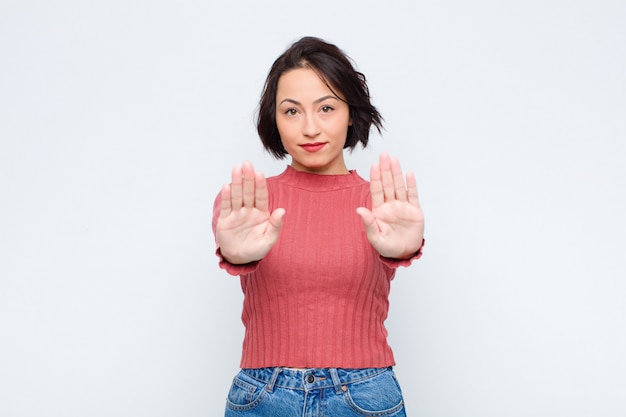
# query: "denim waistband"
314,378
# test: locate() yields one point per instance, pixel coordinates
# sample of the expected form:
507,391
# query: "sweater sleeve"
232,269
395,263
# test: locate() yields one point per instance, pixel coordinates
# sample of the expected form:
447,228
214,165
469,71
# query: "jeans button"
310,378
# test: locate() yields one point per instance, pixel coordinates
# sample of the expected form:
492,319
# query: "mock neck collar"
319,182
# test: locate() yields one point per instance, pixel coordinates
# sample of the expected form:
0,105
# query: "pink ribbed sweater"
319,298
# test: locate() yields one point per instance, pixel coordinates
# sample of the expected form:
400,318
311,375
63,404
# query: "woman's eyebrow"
319,100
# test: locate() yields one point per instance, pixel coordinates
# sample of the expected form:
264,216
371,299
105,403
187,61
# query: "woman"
316,247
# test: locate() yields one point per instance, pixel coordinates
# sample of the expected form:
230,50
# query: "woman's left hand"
395,224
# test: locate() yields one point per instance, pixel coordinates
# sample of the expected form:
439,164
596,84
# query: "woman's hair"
336,70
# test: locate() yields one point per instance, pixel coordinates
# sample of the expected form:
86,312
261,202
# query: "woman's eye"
327,109
291,112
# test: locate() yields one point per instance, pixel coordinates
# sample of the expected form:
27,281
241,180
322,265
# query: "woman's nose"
310,128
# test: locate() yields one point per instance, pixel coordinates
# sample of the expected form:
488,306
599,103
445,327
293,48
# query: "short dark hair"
335,68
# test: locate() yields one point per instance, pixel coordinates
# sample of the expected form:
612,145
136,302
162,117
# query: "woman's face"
312,122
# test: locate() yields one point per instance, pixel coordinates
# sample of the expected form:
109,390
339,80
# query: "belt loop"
339,388
272,381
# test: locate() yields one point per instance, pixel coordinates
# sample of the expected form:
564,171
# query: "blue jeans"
285,392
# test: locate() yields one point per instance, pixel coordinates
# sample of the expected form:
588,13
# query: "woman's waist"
312,378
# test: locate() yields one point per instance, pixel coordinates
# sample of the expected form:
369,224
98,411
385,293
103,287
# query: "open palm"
395,224
245,229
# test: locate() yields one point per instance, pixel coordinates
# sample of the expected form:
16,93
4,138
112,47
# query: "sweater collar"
317,182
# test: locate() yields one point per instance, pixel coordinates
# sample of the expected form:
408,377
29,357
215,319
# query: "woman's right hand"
245,229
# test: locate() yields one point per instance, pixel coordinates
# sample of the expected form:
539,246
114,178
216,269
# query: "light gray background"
120,120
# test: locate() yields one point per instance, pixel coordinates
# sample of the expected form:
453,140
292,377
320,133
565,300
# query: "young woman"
316,247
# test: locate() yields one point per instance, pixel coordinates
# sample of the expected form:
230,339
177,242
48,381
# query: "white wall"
119,121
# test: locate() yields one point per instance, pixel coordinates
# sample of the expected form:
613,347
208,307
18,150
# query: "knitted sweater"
319,298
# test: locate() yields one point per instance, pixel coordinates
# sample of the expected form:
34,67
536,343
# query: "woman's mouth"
313,147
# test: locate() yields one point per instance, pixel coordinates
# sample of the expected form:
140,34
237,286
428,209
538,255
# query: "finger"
398,180
260,189
236,188
376,186
226,205
248,184
386,177
412,189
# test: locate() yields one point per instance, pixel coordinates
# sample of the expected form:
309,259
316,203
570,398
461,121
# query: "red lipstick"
313,147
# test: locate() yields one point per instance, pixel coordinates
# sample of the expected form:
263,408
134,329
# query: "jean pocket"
245,393
377,396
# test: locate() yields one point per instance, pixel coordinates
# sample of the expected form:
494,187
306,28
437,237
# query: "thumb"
275,224
369,221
